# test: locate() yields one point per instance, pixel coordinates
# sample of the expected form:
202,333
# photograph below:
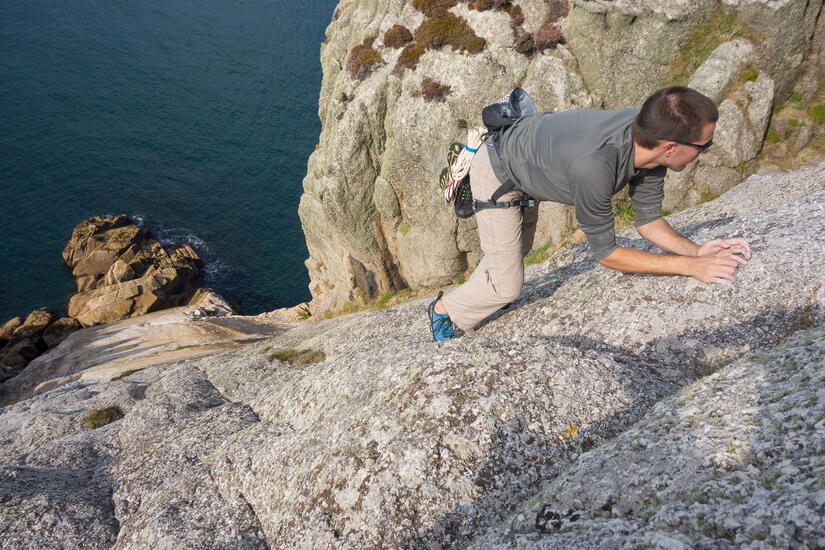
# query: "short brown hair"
677,113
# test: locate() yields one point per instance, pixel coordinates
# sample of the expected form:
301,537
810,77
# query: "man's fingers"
720,281
739,259
740,246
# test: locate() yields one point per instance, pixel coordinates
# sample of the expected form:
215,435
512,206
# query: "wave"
213,267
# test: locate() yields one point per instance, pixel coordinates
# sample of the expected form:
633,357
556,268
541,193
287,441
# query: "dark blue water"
196,117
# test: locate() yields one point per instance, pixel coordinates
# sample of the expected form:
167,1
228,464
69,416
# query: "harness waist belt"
524,203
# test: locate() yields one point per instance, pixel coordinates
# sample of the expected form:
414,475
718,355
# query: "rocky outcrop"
395,441
373,220
23,340
107,352
745,95
121,271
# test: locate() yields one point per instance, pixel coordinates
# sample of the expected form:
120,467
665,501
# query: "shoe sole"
452,154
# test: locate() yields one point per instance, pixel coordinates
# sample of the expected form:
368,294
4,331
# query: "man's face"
680,155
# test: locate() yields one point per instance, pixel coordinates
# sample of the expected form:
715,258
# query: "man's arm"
713,262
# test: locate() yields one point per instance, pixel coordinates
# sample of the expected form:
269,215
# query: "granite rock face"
371,212
395,441
121,271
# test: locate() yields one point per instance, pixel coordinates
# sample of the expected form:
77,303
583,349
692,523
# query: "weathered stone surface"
160,338
624,49
54,508
723,65
395,441
784,30
744,115
59,331
735,457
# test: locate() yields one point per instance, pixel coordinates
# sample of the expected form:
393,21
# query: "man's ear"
667,147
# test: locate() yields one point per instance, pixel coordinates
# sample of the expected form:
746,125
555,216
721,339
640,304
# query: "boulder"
7,330
26,340
122,271
744,115
36,322
211,303
10,326
18,354
59,331
717,72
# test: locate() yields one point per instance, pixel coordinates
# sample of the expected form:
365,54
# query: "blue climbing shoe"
440,323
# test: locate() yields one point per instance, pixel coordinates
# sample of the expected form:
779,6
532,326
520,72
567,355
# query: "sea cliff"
600,409
402,80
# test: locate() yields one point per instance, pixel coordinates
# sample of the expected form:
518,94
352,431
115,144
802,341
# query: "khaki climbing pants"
506,236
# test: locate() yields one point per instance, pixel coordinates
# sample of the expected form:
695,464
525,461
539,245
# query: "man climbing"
582,158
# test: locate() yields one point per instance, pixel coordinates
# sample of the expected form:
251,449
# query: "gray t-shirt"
581,157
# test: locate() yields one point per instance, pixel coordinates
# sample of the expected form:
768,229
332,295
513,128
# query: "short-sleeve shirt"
582,158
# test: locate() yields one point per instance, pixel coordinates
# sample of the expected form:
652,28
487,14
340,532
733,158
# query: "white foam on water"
213,267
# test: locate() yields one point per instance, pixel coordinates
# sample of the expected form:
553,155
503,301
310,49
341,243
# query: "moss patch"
538,255
542,253
298,357
817,112
404,227
432,91
517,15
549,34
408,59
124,374
749,74
720,26
391,299
102,417
448,30
185,347
397,36
362,61
433,8
707,196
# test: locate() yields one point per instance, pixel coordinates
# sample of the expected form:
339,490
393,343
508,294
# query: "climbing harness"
454,179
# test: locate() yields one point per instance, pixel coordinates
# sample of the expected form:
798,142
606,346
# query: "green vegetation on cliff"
720,26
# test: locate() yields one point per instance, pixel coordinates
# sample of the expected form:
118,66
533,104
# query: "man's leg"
498,278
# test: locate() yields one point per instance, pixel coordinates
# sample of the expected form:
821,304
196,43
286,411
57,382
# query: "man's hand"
710,268
715,261
719,259
726,248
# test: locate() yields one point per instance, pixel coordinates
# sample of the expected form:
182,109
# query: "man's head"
677,123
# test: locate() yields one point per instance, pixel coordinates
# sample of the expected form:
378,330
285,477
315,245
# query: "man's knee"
508,289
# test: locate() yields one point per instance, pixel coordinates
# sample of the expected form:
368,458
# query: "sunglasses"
702,148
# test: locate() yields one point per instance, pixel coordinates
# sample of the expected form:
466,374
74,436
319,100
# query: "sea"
194,117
